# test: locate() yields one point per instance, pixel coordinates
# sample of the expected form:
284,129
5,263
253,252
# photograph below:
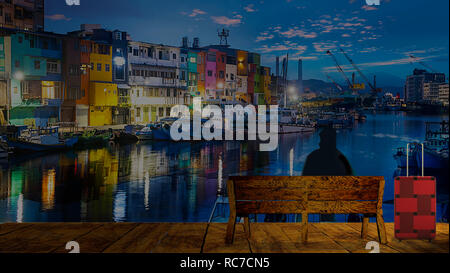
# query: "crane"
339,68
372,87
337,85
422,63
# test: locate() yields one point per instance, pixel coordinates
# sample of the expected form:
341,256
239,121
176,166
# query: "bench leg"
230,229
247,227
365,226
304,231
381,229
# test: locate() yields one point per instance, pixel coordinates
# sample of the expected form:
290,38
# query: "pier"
205,238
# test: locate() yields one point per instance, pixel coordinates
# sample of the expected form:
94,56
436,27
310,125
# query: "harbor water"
179,182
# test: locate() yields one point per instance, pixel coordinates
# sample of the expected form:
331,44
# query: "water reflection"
179,182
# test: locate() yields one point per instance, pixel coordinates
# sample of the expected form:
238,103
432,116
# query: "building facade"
33,77
22,14
154,81
414,87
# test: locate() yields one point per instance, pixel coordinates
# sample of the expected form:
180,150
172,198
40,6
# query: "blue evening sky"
378,38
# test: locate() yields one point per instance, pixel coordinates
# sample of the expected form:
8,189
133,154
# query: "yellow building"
103,94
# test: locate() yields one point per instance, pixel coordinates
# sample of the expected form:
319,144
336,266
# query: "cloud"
196,12
323,47
368,8
288,46
264,36
58,17
295,32
250,8
223,20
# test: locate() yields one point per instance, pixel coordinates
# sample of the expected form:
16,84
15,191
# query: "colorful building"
25,15
243,90
265,83
211,74
254,60
32,64
201,72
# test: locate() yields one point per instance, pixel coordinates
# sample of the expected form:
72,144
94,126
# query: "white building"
431,91
443,93
154,80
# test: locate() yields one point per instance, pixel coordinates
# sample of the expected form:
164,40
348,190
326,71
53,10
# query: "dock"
205,238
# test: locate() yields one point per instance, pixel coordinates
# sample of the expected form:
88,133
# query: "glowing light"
119,61
19,76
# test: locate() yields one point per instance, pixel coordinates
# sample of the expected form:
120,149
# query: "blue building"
34,79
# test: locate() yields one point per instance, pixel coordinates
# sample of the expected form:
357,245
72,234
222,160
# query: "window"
107,67
174,56
135,52
138,112
168,111
37,65
99,67
221,74
182,59
52,67
168,92
130,49
160,111
160,55
232,76
210,73
223,59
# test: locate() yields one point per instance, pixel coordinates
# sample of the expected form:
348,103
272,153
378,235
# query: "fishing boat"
400,156
41,140
435,146
4,149
146,133
162,130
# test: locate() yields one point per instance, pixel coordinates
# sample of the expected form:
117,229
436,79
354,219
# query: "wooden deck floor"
204,238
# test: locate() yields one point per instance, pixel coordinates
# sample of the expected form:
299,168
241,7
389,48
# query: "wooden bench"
306,195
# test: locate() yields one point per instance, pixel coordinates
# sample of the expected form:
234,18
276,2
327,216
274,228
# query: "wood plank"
271,238
43,237
215,240
348,236
298,194
182,238
287,207
99,239
142,239
439,245
311,182
10,227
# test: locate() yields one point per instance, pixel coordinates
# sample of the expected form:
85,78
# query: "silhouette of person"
328,161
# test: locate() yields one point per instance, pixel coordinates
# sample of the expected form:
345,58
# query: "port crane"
417,60
337,85
340,70
373,87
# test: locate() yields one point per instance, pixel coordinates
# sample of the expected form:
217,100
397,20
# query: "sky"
379,38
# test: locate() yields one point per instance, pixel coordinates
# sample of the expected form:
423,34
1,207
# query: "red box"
415,207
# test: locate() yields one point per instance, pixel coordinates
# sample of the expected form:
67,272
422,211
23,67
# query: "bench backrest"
305,194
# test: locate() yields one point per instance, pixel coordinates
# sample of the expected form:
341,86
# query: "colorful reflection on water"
179,182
